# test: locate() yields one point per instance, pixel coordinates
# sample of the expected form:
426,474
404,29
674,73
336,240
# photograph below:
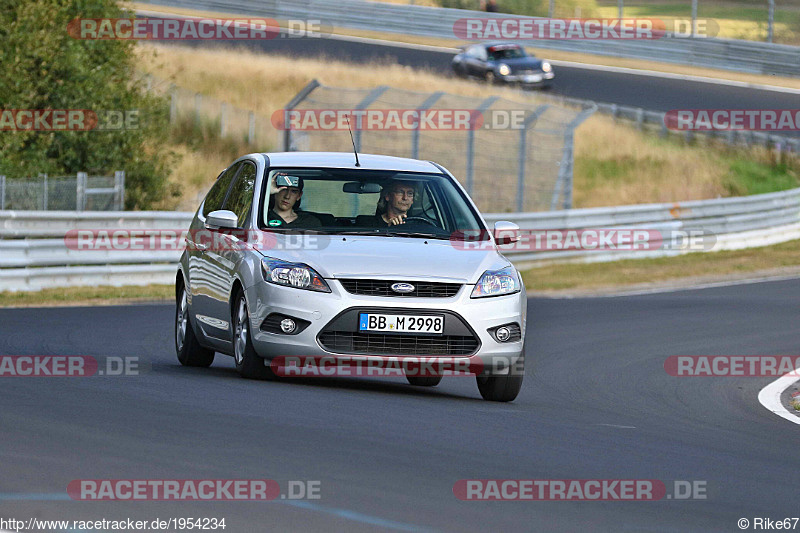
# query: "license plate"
535,78
433,324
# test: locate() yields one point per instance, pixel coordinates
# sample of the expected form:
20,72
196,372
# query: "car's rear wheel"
502,387
248,363
189,351
424,381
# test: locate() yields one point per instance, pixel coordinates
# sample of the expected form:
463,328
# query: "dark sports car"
502,63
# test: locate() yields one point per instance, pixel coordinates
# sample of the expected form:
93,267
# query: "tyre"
502,387
424,381
490,78
248,363
189,351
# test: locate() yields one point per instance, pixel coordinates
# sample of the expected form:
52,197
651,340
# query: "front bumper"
538,78
322,310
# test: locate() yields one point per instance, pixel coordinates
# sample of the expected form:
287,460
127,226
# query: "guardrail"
34,253
729,54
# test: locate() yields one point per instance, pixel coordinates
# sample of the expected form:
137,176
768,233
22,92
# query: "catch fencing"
526,166
81,192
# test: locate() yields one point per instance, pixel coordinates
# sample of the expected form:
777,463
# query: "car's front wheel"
248,363
189,351
490,77
502,387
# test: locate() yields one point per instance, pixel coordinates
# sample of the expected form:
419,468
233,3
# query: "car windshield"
497,53
341,201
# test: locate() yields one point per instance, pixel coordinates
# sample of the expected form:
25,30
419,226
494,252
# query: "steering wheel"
422,219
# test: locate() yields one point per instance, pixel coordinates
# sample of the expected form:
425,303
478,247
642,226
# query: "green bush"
533,8
45,68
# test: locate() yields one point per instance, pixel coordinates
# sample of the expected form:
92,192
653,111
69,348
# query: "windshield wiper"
419,235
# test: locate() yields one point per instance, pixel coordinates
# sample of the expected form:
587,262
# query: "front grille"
386,344
379,287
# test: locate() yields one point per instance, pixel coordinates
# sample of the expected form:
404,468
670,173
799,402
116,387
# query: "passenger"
396,199
284,206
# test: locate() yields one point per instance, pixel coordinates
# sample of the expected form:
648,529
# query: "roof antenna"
351,139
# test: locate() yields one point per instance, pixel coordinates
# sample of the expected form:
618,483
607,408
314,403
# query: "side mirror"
506,232
222,219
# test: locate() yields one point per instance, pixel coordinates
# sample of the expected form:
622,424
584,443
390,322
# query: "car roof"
348,160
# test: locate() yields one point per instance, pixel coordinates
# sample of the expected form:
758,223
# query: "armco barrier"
737,55
33,254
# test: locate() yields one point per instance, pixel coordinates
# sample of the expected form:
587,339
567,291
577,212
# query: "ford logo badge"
403,288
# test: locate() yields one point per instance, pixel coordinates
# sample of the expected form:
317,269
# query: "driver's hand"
401,219
273,186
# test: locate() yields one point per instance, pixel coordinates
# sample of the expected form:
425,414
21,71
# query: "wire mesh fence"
81,192
511,156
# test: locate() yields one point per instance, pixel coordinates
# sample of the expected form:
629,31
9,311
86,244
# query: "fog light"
502,334
288,325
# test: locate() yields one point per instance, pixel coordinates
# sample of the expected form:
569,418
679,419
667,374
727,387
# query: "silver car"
325,255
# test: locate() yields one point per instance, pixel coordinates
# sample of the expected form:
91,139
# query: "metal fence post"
565,170
415,132
771,21
373,95
2,193
119,189
486,104
299,97
694,18
523,154
223,115
251,127
552,8
80,200
621,7
44,192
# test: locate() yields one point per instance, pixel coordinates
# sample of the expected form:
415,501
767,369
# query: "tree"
46,68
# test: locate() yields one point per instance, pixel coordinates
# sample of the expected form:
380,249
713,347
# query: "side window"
481,53
216,196
241,196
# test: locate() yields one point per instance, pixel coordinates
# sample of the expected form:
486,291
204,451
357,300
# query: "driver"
396,199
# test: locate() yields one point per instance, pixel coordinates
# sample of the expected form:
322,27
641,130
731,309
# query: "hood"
355,256
521,63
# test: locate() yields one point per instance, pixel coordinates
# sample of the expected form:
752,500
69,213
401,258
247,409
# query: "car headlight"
503,69
497,283
296,275
546,67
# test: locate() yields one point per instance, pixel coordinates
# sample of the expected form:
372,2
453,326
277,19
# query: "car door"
207,280
226,258
477,61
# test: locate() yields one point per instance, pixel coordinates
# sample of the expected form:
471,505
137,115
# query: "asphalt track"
648,92
596,404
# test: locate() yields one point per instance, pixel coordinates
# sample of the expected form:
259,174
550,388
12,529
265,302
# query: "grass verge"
702,267
80,296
